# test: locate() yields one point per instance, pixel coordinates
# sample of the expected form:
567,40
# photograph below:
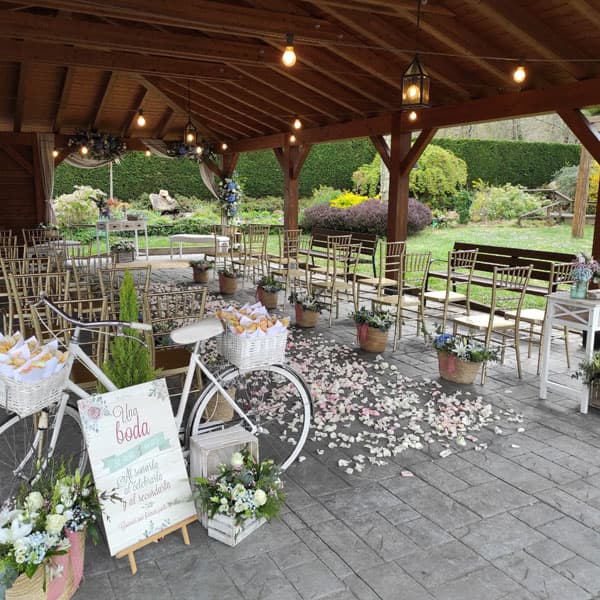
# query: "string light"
520,74
141,120
198,149
55,153
412,115
224,146
83,150
297,124
292,138
148,153
288,58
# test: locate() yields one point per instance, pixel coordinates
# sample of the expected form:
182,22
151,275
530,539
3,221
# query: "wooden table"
204,240
575,314
136,226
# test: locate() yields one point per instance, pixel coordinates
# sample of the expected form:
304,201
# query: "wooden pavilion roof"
79,64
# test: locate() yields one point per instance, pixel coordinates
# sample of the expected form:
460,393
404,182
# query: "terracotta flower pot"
227,285
200,276
371,339
306,318
456,370
268,299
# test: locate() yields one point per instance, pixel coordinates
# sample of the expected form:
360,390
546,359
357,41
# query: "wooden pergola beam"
110,79
416,150
130,122
65,91
586,133
382,148
18,157
20,98
162,127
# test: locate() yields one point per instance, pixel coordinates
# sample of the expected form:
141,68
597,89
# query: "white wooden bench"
203,241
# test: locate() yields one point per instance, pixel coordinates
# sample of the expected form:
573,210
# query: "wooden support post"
229,163
582,190
397,225
291,159
596,238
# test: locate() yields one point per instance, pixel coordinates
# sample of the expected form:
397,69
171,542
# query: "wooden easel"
182,525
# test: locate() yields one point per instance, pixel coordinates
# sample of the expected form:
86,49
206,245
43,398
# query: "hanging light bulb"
83,150
190,133
224,146
520,74
412,115
55,153
415,80
292,138
288,58
297,124
141,120
199,149
148,153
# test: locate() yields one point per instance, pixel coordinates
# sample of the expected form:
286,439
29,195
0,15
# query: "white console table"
575,314
136,226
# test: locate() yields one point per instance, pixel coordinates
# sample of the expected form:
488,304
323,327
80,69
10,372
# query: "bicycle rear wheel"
23,446
274,399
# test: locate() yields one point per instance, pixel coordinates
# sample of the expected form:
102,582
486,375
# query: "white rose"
59,509
237,460
34,501
260,497
55,523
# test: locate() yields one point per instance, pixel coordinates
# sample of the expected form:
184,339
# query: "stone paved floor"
516,522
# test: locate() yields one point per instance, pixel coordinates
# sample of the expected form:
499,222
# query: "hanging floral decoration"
100,146
183,150
231,196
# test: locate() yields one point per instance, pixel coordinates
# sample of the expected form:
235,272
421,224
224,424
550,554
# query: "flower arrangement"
243,489
464,347
122,245
269,284
226,272
379,319
183,150
307,301
588,370
230,195
201,265
584,268
100,146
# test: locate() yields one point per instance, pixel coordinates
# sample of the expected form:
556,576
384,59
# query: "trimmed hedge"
531,164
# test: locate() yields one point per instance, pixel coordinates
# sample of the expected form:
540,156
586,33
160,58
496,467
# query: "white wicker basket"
251,353
28,398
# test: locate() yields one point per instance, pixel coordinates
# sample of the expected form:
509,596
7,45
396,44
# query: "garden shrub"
565,180
346,200
366,177
80,206
437,176
324,194
461,202
266,204
501,203
188,204
367,217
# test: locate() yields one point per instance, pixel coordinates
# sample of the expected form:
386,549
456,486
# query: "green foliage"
346,200
79,206
589,370
324,194
530,164
366,177
501,203
129,362
438,175
379,319
461,202
266,204
269,284
565,180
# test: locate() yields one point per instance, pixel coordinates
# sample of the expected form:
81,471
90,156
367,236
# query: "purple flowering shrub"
367,217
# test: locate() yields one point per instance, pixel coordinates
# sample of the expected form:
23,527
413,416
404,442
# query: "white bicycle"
272,402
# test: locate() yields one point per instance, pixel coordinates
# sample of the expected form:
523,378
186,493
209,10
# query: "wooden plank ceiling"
74,64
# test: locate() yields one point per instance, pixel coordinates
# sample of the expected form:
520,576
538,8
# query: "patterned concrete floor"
518,521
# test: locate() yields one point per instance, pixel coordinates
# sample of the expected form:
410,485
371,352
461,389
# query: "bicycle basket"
27,398
255,352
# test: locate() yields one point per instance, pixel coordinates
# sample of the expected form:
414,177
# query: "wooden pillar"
581,193
596,238
229,164
397,225
291,159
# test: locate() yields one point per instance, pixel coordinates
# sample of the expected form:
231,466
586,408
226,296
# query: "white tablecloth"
206,240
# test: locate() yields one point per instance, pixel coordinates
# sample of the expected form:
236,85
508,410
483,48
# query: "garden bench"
368,241
489,257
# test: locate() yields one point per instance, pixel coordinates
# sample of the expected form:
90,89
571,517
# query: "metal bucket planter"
456,370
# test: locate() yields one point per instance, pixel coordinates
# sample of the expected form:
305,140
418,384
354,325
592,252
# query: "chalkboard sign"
134,449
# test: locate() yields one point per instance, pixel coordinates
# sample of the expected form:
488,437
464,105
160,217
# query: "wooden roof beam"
585,131
164,124
585,8
20,98
130,122
404,5
110,80
514,19
65,91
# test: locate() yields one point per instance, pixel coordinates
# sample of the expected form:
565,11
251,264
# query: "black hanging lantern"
415,85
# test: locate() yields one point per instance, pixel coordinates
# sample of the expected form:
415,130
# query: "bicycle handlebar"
118,324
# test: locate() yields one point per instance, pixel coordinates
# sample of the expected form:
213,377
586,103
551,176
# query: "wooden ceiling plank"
63,99
516,20
404,5
164,124
53,54
590,12
18,158
110,81
19,110
130,122
585,131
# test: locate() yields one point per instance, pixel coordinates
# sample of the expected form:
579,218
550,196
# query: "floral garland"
183,150
230,196
101,146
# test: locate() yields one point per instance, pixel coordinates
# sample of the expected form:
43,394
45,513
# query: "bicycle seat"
198,331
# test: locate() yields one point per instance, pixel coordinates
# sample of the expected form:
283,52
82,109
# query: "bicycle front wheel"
24,446
275,401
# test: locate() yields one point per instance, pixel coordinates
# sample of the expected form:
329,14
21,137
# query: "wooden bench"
368,241
489,257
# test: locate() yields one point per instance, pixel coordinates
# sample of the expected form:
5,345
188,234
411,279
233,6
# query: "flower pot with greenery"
123,251
267,291
200,270
228,281
240,497
372,328
460,357
308,308
589,373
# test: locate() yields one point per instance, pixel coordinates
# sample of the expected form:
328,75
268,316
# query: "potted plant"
200,269
460,357
308,308
585,268
372,327
589,373
123,250
267,290
240,497
228,280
